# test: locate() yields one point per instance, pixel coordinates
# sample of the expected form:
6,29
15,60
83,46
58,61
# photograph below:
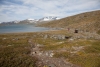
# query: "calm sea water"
15,28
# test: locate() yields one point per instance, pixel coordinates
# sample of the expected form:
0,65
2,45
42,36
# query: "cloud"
23,9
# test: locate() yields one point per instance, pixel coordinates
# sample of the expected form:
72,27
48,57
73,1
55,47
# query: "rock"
39,64
32,45
51,65
60,37
71,39
52,36
29,41
16,38
51,54
13,39
34,35
9,45
60,42
39,53
4,38
41,35
55,37
46,36
46,54
33,53
39,45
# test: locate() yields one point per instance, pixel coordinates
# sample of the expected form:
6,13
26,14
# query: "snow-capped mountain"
16,21
32,20
49,18
11,22
27,21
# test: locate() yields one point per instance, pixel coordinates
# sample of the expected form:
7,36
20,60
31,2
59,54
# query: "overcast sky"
24,9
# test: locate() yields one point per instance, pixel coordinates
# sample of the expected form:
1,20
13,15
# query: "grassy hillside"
84,21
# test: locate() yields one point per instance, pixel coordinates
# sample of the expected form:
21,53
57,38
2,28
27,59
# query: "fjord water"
16,28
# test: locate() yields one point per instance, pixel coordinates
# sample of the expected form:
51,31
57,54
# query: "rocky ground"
46,58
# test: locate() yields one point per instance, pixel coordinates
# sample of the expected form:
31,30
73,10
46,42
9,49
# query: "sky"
11,10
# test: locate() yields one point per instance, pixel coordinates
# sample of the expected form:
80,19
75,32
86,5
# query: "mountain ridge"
30,20
84,21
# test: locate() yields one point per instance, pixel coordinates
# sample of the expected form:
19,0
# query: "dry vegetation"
89,21
98,32
15,49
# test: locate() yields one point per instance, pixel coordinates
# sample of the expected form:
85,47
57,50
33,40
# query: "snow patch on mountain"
49,18
16,21
32,20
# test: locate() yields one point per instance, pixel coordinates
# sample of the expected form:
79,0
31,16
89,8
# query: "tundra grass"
87,57
15,52
15,49
98,32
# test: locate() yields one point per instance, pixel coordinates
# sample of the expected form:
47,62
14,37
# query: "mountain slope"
85,21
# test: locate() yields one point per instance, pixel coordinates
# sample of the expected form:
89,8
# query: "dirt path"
46,58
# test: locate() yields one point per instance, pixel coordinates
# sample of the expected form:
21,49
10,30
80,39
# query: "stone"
33,53
39,53
46,54
9,45
60,37
71,39
46,36
34,35
51,65
4,38
13,39
51,54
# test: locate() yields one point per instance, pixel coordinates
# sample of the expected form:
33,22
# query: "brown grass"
16,52
84,21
